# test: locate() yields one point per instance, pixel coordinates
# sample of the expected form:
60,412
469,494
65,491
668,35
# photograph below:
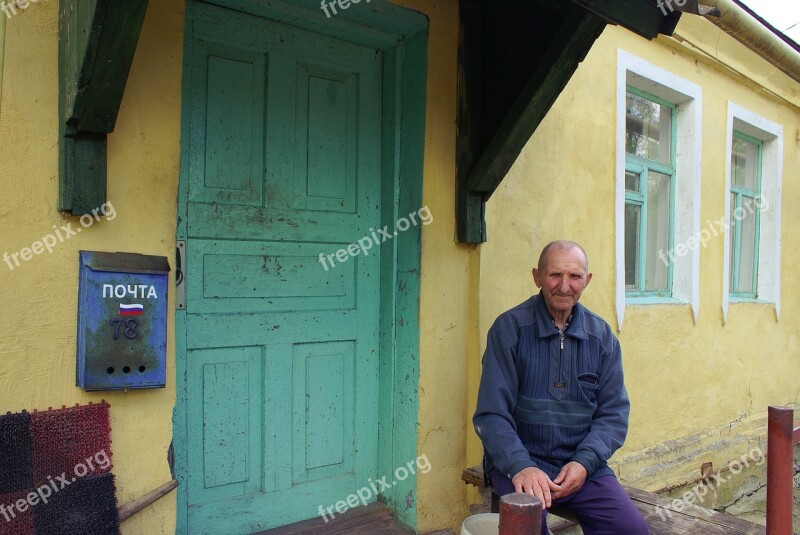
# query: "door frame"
402,35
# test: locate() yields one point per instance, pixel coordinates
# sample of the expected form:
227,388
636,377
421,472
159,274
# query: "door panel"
267,276
227,126
323,409
282,354
226,421
325,172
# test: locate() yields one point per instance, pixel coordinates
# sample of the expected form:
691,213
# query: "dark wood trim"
510,74
97,42
470,227
643,17
570,46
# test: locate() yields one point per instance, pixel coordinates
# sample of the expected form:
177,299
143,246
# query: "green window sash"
745,198
643,167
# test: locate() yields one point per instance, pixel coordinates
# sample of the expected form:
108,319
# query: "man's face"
562,279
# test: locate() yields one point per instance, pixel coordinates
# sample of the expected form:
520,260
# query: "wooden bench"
658,511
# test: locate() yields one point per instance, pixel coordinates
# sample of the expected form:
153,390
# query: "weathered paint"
448,291
261,309
38,321
699,391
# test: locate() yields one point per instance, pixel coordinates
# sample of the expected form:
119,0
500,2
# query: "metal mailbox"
122,321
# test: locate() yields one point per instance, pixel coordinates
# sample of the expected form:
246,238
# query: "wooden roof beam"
570,46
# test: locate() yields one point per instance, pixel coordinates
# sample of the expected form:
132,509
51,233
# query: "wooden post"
779,470
131,508
520,514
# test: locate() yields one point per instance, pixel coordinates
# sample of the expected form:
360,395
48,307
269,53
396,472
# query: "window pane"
748,248
632,216
631,181
744,164
658,196
648,129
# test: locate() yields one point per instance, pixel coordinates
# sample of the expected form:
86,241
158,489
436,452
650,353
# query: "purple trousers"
601,506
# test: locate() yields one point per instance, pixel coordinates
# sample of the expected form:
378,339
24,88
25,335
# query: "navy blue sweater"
547,398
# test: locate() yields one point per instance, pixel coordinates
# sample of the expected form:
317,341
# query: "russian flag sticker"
131,310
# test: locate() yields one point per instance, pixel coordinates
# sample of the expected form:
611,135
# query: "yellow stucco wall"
2,50
447,312
37,346
703,386
708,374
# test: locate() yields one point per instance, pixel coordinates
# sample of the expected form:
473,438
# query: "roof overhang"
515,58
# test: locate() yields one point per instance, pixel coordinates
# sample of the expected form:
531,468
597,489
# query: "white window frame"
687,97
770,133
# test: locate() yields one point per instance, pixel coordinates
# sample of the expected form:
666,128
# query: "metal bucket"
482,524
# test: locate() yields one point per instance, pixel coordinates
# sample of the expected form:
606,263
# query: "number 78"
131,330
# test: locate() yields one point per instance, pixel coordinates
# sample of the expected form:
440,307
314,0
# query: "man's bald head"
562,275
561,244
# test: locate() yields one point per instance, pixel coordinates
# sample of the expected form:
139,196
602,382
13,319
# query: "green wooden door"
284,163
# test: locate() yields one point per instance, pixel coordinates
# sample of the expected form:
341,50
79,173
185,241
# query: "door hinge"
180,287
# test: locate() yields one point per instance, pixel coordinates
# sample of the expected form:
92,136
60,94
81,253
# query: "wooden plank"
473,476
566,51
74,39
112,35
349,520
82,172
690,514
406,313
640,16
470,224
132,507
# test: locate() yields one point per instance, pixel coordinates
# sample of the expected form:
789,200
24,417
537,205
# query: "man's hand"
570,478
531,480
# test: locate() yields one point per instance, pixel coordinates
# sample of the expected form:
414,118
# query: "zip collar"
575,328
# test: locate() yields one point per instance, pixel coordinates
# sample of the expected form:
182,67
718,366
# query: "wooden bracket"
97,41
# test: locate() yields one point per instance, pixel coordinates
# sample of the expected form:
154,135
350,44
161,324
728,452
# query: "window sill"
735,299
641,300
